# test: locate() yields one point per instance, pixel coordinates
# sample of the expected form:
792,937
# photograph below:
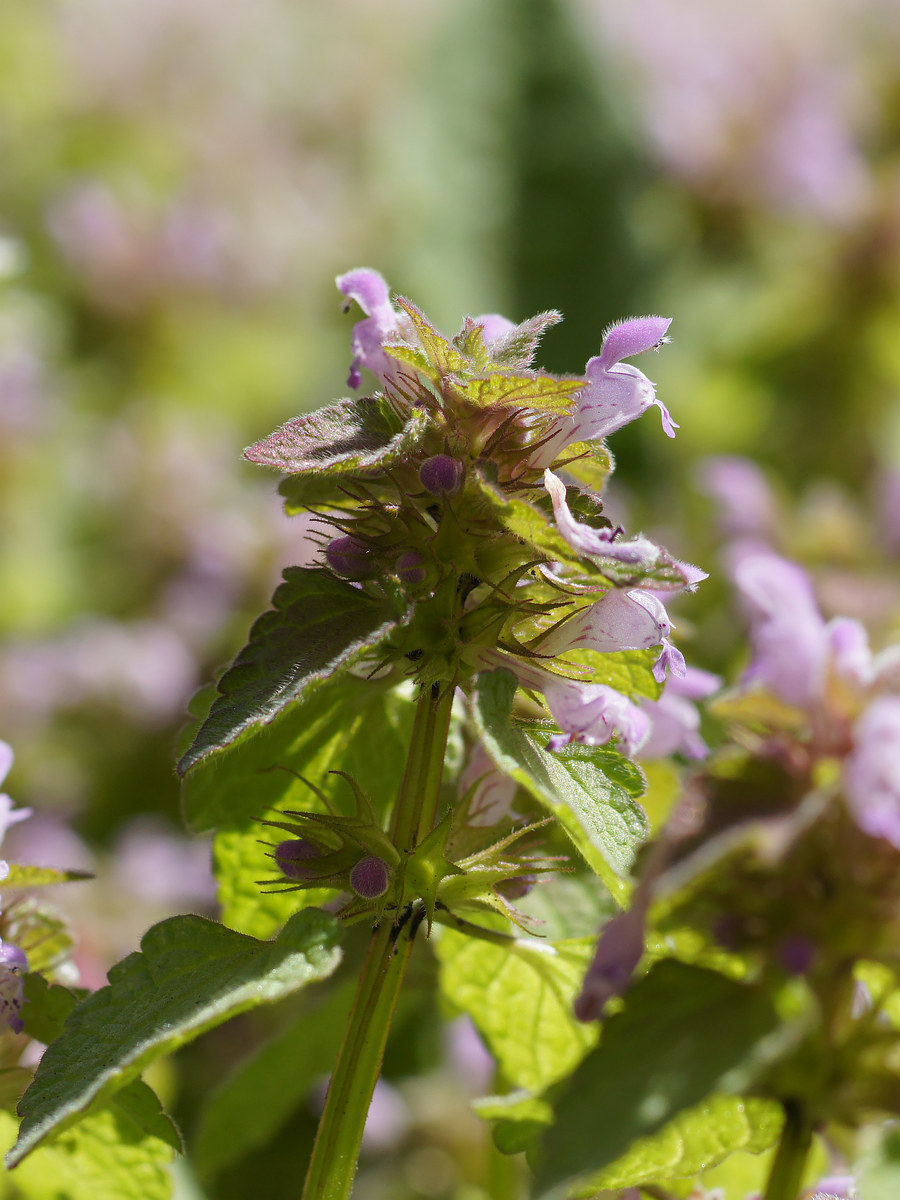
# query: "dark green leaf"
603,820
318,625
190,975
140,1104
684,1033
345,438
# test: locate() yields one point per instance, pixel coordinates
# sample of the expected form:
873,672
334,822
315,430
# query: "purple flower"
488,791
616,392
620,620
13,963
381,324
787,631
746,505
602,543
590,713
8,815
674,717
795,651
619,950
872,770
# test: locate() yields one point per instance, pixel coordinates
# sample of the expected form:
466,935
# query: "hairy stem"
790,1158
339,1136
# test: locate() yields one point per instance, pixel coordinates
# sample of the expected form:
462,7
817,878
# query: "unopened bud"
291,857
370,877
410,568
350,558
441,475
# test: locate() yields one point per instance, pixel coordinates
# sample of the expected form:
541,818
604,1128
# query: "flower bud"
293,854
410,568
370,877
350,558
12,957
441,475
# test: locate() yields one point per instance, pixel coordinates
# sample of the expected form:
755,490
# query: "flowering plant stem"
791,1155
339,1136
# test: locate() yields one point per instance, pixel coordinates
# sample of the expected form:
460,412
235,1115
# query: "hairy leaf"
444,358
345,438
578,785
318,624
190,975
685,1032
107,1157
518,347
546,393
519,994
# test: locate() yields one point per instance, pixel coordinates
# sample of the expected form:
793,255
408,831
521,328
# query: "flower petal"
598,542
627,338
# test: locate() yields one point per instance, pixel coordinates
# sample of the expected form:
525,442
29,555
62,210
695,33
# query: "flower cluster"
465,492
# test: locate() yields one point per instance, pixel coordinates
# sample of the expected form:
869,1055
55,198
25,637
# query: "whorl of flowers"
470,480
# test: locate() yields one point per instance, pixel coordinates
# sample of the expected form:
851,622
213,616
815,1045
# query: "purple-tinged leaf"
346,437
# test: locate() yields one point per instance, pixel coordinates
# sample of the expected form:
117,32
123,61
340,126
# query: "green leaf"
444,358
346,438
684,1033
697,1139
28,877
535,527
318,625
190,975
283,1070
141,1105
547,393
878,1174
107,1157
355,725
41,931
518,347
628,671
589,462
519,995
518,1119
603,820
46,1007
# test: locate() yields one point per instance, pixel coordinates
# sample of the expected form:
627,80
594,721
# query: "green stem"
790,1158
339,1136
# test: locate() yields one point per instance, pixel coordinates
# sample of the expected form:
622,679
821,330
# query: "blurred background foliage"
182,179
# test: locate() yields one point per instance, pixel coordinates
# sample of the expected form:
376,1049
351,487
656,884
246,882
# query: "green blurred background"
181,181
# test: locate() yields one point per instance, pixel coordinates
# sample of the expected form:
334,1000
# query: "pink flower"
674,717
872,770
381,324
